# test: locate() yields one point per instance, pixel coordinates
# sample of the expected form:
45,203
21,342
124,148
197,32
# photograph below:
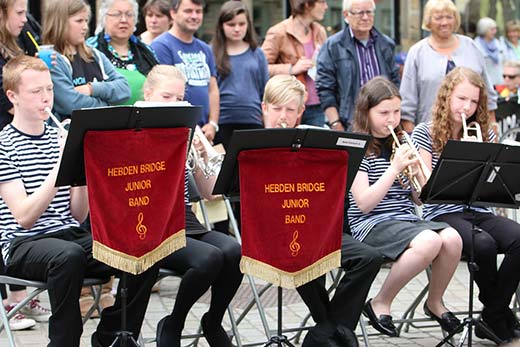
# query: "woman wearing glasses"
83,77
292,46
114,37
430,59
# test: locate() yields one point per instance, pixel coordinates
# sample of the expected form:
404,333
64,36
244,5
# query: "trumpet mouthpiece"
283,125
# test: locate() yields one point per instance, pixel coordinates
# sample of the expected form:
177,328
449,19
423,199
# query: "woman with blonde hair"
509,42
430,59
463,94
83,77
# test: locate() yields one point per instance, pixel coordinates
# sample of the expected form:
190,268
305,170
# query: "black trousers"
209,260
361,264
498,235
62,260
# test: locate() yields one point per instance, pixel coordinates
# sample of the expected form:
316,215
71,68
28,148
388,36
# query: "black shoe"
95,341
164,337
345,337
447,320
215,337
512,322
484,331
383,323
320,335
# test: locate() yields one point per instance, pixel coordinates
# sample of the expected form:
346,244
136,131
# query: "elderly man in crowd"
351,58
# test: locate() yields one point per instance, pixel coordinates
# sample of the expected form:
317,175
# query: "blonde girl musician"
382,215
463,92
209,260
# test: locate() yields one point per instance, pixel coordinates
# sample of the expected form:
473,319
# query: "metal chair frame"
95,285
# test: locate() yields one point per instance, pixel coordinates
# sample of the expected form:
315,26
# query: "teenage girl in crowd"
13,25
83,77
382,214
157,19
463,92
242,71
209,260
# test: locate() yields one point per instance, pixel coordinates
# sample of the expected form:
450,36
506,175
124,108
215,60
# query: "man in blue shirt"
179,47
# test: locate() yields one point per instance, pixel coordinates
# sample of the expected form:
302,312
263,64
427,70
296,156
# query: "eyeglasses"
361,14
119,15
509,76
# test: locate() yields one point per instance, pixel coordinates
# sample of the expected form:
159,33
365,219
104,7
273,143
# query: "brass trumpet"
214,162
401,138
466,128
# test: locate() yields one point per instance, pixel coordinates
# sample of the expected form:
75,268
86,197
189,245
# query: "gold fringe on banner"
290,280
137,265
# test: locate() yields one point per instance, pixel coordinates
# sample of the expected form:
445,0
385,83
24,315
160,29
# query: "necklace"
306,28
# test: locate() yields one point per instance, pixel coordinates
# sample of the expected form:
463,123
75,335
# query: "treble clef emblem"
140,227
294,246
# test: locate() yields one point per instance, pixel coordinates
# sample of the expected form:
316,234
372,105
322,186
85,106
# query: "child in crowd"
209,260
40,237
382,215
242,71
463,93
336,318
83,77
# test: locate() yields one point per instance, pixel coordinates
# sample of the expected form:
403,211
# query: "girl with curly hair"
382,215
463,94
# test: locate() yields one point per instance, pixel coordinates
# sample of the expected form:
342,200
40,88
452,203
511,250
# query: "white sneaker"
34,310
19,321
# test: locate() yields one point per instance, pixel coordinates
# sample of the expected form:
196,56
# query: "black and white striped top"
30,159
422,138
396,205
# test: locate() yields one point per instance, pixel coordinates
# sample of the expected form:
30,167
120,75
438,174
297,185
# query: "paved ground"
251,330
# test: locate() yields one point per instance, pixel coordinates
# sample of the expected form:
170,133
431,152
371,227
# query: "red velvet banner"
135,185
292,205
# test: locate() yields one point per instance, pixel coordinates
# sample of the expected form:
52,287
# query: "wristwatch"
214,124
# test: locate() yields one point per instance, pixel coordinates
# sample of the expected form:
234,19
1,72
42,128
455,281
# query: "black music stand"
242,140
72,166
475,175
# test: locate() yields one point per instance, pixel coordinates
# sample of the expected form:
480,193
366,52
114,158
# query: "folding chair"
95,285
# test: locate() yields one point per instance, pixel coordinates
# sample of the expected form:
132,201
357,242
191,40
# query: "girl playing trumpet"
382,215
463,94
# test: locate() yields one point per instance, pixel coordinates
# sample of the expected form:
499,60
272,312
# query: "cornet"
400,138
212,166
54,119
473,126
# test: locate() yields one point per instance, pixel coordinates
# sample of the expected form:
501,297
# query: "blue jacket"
337,79
112,90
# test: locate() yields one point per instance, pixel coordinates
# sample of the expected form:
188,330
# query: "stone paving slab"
251,330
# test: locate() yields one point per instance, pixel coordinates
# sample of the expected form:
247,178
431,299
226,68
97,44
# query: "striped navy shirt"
422,138
30,159
396,205
367,58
